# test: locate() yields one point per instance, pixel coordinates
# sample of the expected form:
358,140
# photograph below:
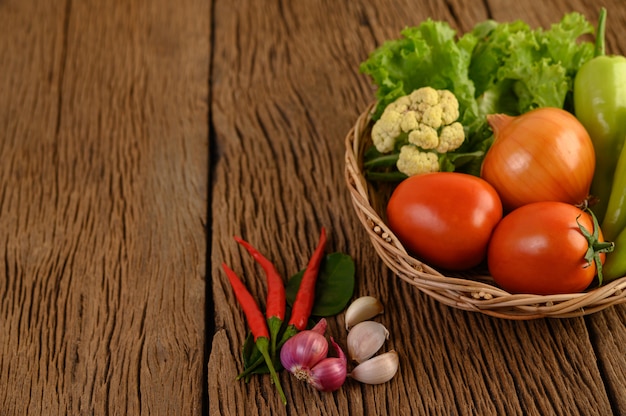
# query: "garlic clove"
377,370
365,339
361,309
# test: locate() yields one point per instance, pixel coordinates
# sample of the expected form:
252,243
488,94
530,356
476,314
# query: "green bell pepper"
600,105
615,216
615,264
614,224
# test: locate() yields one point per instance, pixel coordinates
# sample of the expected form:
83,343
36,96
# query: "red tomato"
539,248
445,218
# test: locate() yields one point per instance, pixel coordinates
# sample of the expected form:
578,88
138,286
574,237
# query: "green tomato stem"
596,247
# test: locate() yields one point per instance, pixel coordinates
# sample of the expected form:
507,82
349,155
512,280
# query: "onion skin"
543,155
302,352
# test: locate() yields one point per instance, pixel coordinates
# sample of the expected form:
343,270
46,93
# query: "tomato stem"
596,247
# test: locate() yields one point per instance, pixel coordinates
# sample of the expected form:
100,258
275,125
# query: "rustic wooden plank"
609,339
104,142
286,90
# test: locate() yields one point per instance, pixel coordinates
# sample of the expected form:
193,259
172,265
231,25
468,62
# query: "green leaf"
249,352
253,361
425,55
334,286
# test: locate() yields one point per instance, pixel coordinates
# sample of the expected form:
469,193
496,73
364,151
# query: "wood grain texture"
115,214
609,340
102,206
282,103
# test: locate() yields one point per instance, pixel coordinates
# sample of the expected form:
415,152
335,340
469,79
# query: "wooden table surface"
137,137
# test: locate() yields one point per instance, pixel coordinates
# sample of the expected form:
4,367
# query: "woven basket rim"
472,291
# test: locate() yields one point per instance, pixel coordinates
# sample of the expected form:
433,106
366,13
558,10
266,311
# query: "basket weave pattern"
473,290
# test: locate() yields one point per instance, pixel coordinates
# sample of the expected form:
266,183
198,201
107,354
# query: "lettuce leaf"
426,55
522,69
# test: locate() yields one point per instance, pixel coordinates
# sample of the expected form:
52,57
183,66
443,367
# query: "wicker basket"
473,290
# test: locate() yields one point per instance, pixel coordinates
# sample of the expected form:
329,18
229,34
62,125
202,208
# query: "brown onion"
543,155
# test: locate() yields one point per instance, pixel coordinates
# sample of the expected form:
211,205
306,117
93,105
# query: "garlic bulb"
377,370
361,309
365,339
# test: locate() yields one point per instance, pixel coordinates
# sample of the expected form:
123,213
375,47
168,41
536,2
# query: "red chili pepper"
256,322
275,302
303,304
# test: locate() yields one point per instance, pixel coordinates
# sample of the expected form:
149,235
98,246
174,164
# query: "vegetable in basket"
614,224
542,155
615,264
615,215
423,126
547,248
600,105
445,218
495,68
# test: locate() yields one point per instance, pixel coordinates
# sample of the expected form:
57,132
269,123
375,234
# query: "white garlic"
365,339
361,309
377,370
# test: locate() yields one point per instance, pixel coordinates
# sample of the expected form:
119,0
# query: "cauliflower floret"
449,105
425,137
386,130
425,95
426,103
433,116
410,121
451,137
413,161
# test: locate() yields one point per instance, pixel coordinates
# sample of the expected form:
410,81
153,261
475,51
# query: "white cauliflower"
423,126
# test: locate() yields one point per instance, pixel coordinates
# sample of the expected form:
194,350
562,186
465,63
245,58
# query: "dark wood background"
136,137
